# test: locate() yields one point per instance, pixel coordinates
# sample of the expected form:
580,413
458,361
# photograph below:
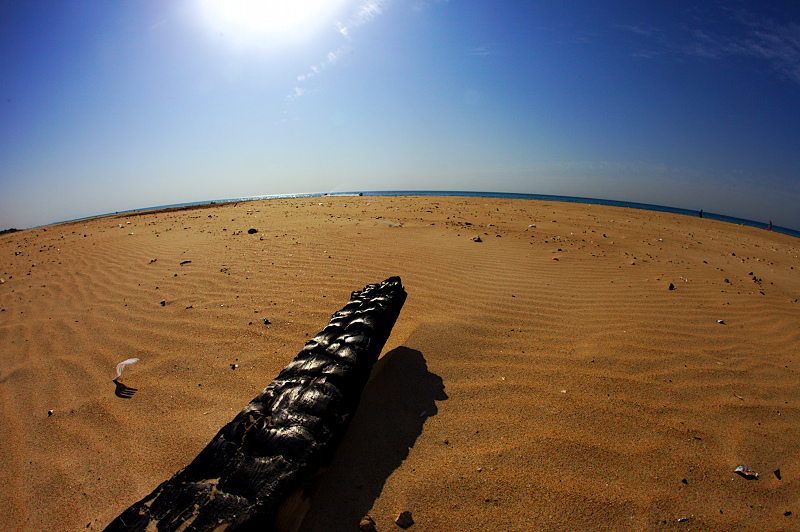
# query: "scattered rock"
477,239
234,366
252,231
671,287
746,473
185,262
49,413
267,322
163,303
721,322
404,520
152,261
367,524
777,473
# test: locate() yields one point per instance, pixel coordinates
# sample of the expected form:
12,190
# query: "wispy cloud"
423,5
488,49
366,11
636,29
779,45
298,91
739,34
481,51
330,59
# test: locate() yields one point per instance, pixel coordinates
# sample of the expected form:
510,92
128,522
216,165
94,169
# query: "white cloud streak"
636,29
776,43
298,91
367,11
780,45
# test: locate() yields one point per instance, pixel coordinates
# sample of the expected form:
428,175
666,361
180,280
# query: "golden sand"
545,378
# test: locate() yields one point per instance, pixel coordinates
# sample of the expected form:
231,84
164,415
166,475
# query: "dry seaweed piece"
254,473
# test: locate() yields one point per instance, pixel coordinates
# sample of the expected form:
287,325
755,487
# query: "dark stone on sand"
404,520
256,473
163,303
252,231
671,287
477,239
367,524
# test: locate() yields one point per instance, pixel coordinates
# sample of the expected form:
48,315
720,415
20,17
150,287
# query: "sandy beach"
544,378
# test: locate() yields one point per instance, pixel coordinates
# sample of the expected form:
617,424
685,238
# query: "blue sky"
108,106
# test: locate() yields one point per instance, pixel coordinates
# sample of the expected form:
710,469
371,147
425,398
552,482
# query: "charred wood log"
254,474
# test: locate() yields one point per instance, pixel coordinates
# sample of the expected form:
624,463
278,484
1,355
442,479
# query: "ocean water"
507,195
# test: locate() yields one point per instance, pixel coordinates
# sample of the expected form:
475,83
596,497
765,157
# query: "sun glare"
269,22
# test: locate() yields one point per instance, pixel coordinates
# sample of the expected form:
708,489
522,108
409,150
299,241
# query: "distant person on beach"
770,226
701,213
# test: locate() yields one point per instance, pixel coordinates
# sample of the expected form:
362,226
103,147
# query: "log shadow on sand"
397,400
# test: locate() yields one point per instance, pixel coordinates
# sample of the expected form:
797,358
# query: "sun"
269,22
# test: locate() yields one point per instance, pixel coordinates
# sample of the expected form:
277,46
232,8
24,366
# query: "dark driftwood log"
253,474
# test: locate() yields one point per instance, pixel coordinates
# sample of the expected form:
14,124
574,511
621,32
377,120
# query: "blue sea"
508,195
